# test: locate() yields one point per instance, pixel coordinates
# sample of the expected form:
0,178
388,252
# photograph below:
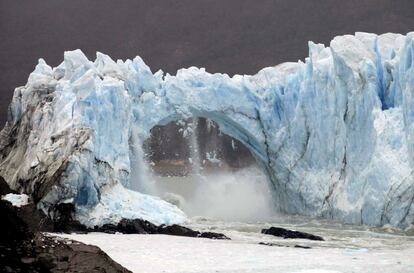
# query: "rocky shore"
24,246
23,249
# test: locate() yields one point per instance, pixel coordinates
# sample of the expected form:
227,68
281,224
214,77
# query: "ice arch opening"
204,172
231,128
193,145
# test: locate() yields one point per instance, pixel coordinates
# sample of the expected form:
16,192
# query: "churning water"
242,195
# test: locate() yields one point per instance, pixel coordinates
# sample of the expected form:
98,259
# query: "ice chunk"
117,203
17,200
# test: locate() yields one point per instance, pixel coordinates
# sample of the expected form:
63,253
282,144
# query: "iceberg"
334,134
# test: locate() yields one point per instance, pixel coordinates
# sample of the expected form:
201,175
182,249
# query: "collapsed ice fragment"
334,134
16,200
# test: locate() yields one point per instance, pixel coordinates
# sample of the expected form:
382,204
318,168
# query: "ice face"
334,134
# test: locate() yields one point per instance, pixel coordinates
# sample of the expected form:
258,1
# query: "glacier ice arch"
335,133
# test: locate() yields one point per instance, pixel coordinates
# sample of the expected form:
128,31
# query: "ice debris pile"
334,134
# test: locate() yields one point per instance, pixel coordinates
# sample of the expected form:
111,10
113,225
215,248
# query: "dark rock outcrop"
63,219
23,249
14,242
184,231
70,256
290,234
4,187
35,219
138,226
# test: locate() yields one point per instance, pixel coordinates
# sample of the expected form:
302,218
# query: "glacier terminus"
334,134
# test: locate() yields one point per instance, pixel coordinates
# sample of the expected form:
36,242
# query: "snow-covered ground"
346,249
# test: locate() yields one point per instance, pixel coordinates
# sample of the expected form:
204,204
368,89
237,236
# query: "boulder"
290,234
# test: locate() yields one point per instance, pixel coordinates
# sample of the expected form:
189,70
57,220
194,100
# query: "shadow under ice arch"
229,127
235,130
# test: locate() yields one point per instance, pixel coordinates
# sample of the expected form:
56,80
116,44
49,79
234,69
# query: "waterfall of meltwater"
141,178
195,149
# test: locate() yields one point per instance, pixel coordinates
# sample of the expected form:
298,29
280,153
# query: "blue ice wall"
334,133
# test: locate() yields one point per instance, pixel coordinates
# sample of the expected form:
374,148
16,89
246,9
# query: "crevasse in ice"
334,134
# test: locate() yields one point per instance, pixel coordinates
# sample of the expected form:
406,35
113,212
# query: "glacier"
334,133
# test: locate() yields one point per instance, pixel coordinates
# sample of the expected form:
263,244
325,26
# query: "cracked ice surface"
334,134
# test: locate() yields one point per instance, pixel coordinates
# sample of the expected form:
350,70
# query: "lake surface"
346,249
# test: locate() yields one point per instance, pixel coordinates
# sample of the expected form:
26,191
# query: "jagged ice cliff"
334,134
